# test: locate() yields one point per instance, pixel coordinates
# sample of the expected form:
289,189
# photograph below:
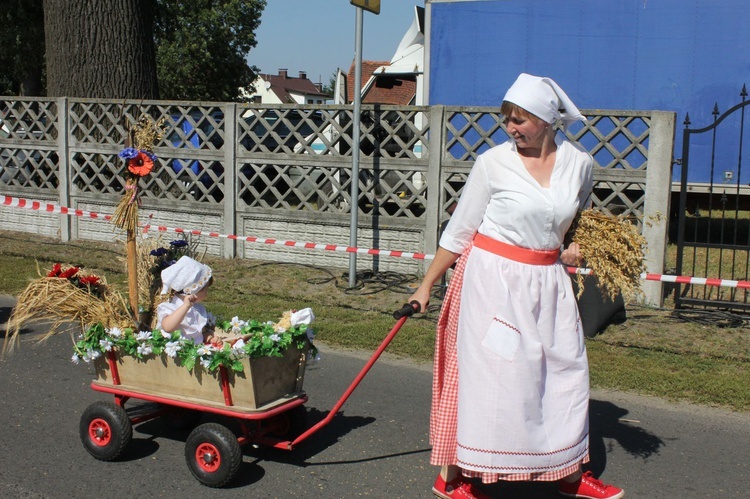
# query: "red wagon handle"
404,313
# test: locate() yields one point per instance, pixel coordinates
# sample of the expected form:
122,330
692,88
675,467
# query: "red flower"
141,165
69,273
55,272
89,280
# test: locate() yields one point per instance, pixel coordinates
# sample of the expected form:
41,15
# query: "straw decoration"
613,249
59,301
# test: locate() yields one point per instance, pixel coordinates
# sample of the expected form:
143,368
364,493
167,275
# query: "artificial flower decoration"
128,153
140,161
90,283
142,164
257,339
89,280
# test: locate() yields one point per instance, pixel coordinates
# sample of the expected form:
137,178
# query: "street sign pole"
354,194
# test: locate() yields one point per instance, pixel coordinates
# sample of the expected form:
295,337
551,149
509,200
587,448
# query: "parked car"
272,131
268,132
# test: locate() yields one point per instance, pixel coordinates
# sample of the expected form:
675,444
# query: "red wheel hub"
100,432
208,457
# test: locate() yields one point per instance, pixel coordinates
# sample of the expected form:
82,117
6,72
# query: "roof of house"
387,89
282,85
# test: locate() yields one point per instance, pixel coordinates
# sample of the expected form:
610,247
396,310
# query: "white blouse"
193,323
503,201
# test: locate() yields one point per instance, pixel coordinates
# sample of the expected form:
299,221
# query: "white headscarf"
543,98
186,276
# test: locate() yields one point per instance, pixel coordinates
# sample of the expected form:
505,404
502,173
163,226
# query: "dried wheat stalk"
56,300
614,250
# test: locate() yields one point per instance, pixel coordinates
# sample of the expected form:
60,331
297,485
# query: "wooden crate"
265,382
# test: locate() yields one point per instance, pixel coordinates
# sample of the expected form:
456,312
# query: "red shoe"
588,487
456,488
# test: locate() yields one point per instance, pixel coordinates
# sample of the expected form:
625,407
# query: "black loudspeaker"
597,311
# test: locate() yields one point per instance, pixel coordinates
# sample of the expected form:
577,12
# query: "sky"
317,36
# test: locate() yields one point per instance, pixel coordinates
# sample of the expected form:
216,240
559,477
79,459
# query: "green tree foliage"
330,88
201,47
21,47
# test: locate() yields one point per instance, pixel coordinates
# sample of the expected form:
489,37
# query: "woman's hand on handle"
421,296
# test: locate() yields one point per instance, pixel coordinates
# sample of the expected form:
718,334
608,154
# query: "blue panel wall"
673,55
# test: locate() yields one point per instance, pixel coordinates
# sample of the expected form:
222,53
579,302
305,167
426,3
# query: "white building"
285,89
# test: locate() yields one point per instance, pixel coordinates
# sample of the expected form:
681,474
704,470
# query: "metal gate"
714,211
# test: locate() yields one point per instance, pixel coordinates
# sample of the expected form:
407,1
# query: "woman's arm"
440,264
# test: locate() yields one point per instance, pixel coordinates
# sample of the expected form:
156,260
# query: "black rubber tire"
105,430
177,418
213,454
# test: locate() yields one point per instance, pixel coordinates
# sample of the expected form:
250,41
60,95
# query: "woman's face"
528,132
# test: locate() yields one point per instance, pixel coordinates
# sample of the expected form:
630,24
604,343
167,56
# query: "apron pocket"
502,338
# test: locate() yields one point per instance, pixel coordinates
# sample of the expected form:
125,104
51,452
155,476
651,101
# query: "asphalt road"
376,447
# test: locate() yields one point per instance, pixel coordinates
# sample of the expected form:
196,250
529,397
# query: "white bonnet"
186,276
543,98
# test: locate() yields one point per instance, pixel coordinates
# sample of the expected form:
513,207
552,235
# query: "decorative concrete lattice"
617,142
28,159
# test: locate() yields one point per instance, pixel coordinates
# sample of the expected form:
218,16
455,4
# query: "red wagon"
266,400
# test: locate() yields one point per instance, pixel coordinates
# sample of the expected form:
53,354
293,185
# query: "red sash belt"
516,253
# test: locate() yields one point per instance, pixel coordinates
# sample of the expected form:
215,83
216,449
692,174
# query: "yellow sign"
371,5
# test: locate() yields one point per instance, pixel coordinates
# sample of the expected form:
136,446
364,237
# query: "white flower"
275,337
144,336
204,350
205,363
75,359
115,332
165,334
106,345
93,354
237,324
237,347
86,359
144,349
304,316
172,347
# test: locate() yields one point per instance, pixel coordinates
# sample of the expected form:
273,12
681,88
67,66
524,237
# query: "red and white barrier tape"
50,208
54,208
293,244
679,279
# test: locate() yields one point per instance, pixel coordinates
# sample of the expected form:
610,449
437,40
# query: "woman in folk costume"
511,381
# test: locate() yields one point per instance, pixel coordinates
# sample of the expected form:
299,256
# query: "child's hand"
191,299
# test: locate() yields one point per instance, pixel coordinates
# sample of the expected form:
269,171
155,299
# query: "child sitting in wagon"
187,281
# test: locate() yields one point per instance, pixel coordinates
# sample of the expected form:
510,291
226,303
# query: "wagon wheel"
105,430
178,418
213,454
289,423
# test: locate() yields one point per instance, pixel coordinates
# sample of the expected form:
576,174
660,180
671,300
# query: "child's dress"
192,325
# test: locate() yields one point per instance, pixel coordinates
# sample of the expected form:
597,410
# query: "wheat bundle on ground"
56,300
614,250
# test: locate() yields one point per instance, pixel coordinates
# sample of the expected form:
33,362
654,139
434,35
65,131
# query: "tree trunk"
100,49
